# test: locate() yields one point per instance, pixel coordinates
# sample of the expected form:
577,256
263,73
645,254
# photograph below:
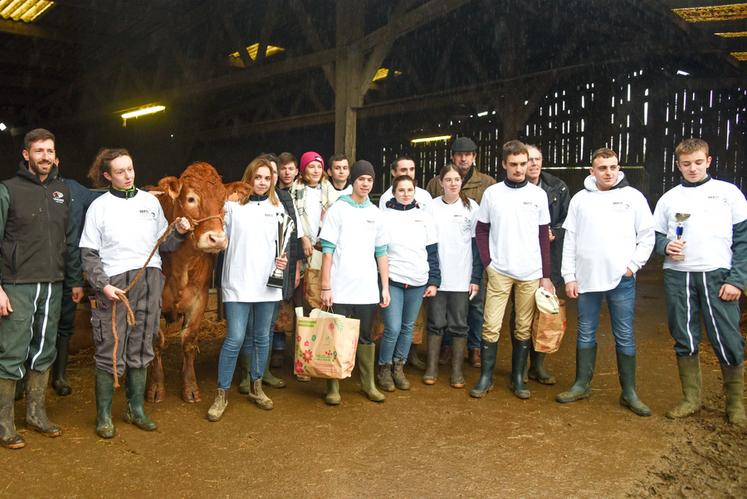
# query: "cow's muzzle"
212,241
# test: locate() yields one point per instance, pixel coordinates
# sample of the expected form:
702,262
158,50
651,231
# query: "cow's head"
199,195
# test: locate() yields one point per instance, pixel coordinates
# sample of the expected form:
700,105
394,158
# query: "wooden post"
348,69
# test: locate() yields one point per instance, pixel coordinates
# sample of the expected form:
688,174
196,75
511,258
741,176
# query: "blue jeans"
399,321
248,331
621,305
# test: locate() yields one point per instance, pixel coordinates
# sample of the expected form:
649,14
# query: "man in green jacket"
37,248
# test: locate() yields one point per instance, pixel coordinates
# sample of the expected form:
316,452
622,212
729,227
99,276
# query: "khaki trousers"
497,295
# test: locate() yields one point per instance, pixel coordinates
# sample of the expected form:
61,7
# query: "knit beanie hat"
308,157
361,167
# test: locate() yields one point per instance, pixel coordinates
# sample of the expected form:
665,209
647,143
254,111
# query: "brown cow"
198,194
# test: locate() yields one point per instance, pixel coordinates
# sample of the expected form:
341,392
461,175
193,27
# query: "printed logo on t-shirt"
620,206
370,220
147,214
58,197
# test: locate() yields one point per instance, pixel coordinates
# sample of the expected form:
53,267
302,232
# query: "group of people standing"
472,250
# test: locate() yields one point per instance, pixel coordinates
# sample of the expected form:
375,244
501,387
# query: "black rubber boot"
458,347
519,358
692,383
9,437
431,364
629,397
135,413
104,394
586,358
59,383
20,389
485,383
734,391
36,413
537,370
414,359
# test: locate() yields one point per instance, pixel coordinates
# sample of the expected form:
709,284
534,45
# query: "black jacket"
38,242
558,199
295,248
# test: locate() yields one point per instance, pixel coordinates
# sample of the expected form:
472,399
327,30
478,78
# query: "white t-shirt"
456,228
514,215
714,208
124,231
421,196
607,232
252,230
356,232
410,232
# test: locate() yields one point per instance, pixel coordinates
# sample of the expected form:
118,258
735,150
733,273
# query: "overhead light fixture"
3,126
383,73
680,72
731,12
740,56
732,34
435,138
24,10
234,58
141,111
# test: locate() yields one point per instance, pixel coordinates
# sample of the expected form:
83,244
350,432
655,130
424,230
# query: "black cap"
361,167
463,144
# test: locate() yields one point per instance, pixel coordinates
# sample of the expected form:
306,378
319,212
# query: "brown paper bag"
548,330
312,288
326,346
284,323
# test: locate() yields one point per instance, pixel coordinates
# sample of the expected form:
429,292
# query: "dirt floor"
433,441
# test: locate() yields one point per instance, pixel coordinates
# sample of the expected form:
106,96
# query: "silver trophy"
285,229
680,231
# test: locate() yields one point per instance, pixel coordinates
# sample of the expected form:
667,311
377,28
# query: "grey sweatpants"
135,348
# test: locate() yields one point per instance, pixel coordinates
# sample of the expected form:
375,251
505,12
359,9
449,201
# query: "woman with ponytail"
461,271
122,227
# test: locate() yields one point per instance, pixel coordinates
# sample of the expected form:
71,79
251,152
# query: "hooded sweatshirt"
607,233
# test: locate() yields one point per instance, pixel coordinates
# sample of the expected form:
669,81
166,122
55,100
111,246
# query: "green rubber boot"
59,382
245,368
519,357
104,394
488,354
332,396
9,437
135,413
585,360
431,364
629,397
36,412
366,357
537,370
692,387
734,391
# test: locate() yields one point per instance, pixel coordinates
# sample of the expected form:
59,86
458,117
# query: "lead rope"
123,294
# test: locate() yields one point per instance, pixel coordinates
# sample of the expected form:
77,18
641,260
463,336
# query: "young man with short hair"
37,255
513,239
701,229
609,237
287,170
338,171
405,165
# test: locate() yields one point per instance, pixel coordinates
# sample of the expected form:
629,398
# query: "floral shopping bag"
326,345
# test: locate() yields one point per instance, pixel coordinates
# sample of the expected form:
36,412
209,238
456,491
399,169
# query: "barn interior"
237,78
177,81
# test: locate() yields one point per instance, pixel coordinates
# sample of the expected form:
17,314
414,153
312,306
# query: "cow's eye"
191,200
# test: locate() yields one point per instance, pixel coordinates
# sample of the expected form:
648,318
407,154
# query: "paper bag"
326,346
548,330
284,322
